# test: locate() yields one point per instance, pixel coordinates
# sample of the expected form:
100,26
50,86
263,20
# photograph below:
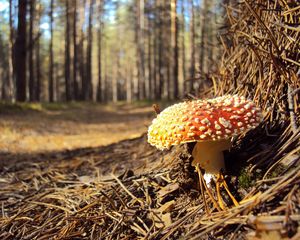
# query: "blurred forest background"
92,50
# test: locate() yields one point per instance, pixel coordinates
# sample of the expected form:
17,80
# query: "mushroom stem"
209,155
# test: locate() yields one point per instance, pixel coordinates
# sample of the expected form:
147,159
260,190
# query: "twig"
53,206
291,109
192,96
201,187
271,36
127,191
295,91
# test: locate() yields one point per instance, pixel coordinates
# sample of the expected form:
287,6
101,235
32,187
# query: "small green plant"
245,179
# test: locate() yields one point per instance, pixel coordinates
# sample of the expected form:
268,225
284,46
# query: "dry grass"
71,199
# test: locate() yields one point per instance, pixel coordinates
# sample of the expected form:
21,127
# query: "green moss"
245,179
29,106
17,107
57,106
248,178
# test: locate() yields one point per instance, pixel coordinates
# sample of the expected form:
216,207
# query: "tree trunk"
115,96
159,50
9,86
203,37
166,48
174,43
193,49
88,91
214,51
116,69
106,86
75,51
128,84
140,47
3,65
155,52
51,79
81,52
67,54
99,35
38,84
20,52
183,45
148,75
31,52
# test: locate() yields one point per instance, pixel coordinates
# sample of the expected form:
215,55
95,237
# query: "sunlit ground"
39,128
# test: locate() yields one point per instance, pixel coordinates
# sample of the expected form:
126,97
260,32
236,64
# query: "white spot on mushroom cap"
247,106
189,124
191,134
202,128
224,122
205,121
184,118
193,128
208,132
227,131
181,128
240,111
240,124
217,126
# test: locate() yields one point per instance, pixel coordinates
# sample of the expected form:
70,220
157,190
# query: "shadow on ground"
115,158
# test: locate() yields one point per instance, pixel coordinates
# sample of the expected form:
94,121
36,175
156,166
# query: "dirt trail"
71,127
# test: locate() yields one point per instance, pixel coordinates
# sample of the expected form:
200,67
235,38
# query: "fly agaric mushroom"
211,123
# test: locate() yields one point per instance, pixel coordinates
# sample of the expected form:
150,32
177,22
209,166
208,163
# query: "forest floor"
75,132
36,128
86,171
77,137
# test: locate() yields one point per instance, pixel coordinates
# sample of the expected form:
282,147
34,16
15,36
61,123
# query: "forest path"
60,127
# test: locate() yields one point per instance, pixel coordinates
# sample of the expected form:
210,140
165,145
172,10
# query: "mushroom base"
209,155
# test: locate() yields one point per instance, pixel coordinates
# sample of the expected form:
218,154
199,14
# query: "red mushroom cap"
203,120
